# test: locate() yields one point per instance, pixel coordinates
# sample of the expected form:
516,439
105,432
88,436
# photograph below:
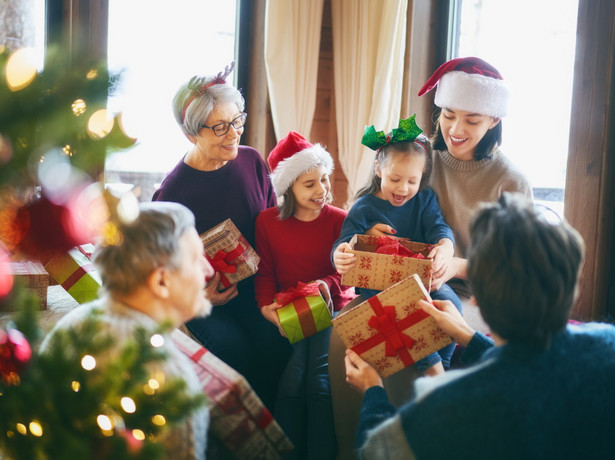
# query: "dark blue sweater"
517,403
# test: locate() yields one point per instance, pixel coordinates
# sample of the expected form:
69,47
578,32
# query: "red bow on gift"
302,290
222,263
395,340
388,245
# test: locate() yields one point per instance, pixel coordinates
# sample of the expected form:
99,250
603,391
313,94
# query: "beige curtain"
292,45
369,39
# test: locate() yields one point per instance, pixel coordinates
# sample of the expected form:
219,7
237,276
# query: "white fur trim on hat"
287,171
473,93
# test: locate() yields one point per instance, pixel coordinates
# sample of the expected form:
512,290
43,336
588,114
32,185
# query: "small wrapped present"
304,312
32,276
238,418
76,274
229,253
379,270
390,331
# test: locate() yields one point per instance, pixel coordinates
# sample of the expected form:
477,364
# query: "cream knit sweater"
462,185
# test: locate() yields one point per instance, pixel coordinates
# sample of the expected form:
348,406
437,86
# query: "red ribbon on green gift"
390,331
222,263
302,290
388,245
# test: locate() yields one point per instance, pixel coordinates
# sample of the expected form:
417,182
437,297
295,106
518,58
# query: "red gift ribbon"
390,331
302,290
388,245
222,263
77,275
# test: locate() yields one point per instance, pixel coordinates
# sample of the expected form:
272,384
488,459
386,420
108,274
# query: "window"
532,44
159,46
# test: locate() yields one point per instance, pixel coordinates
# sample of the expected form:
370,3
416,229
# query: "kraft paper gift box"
390,331
304,311
238,418
76,274
229,253
33,277
379,271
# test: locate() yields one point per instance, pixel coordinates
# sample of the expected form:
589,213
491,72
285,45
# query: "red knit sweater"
292,250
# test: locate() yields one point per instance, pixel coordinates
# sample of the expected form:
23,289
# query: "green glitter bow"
407,131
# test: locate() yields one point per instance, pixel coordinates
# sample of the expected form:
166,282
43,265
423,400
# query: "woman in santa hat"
468,166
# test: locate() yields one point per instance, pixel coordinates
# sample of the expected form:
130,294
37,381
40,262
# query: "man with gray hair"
154,273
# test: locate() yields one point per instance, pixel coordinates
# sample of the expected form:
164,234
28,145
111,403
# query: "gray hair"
149,242
192,107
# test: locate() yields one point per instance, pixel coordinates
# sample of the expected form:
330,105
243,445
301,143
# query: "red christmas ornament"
6,277
15,353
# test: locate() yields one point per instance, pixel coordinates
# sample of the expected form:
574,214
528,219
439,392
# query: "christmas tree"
54,134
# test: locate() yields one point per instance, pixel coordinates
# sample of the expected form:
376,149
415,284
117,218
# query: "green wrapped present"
304,311
75,272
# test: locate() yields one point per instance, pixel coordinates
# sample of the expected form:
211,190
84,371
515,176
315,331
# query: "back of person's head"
485,147
150,241
523,269
384,155
195,100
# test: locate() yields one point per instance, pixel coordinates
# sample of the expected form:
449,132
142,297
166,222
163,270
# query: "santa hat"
292,157
469,84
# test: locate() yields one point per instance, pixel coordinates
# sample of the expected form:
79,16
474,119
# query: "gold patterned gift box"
379,271
390,331
238,418
229,253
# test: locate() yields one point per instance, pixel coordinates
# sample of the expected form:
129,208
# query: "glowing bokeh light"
159,420
153,384
35,428
104,422
100,124
78,107
156,340
88,362
76,386
21,69
21,428
128,405
138,435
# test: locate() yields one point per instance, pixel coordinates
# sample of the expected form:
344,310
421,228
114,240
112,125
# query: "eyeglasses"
221,129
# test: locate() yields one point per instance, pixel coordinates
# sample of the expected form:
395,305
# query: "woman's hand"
220,297
359,373
455,269
449,319
271,314
381,230
343,260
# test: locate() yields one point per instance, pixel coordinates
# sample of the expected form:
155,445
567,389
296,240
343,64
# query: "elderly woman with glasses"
218,179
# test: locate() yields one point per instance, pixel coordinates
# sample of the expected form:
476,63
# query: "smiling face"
400,177
311,190
462,131
211,152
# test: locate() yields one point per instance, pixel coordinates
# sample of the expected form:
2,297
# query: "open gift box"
379,271
389,330
229,253
304,311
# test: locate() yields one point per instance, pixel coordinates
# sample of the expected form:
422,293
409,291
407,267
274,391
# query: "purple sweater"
239,190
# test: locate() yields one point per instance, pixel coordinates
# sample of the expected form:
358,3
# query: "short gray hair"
191,108
149,242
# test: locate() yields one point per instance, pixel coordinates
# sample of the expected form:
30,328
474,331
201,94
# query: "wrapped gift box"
304,311
229,253
390,331
76,274
32,276
238,417
379,271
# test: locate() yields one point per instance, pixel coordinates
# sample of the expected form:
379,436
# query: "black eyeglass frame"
242,119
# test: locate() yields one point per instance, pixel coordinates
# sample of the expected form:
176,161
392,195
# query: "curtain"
369,39
292,46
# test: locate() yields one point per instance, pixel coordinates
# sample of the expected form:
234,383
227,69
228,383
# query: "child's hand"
359,373
381,230
442,255
270,313
343,260
220,297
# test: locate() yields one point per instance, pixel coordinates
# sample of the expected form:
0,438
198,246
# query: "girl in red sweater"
294,241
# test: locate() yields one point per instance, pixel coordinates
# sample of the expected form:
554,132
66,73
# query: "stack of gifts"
33,277
238,418
384,261
75,272
390,331
229,253
304,312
